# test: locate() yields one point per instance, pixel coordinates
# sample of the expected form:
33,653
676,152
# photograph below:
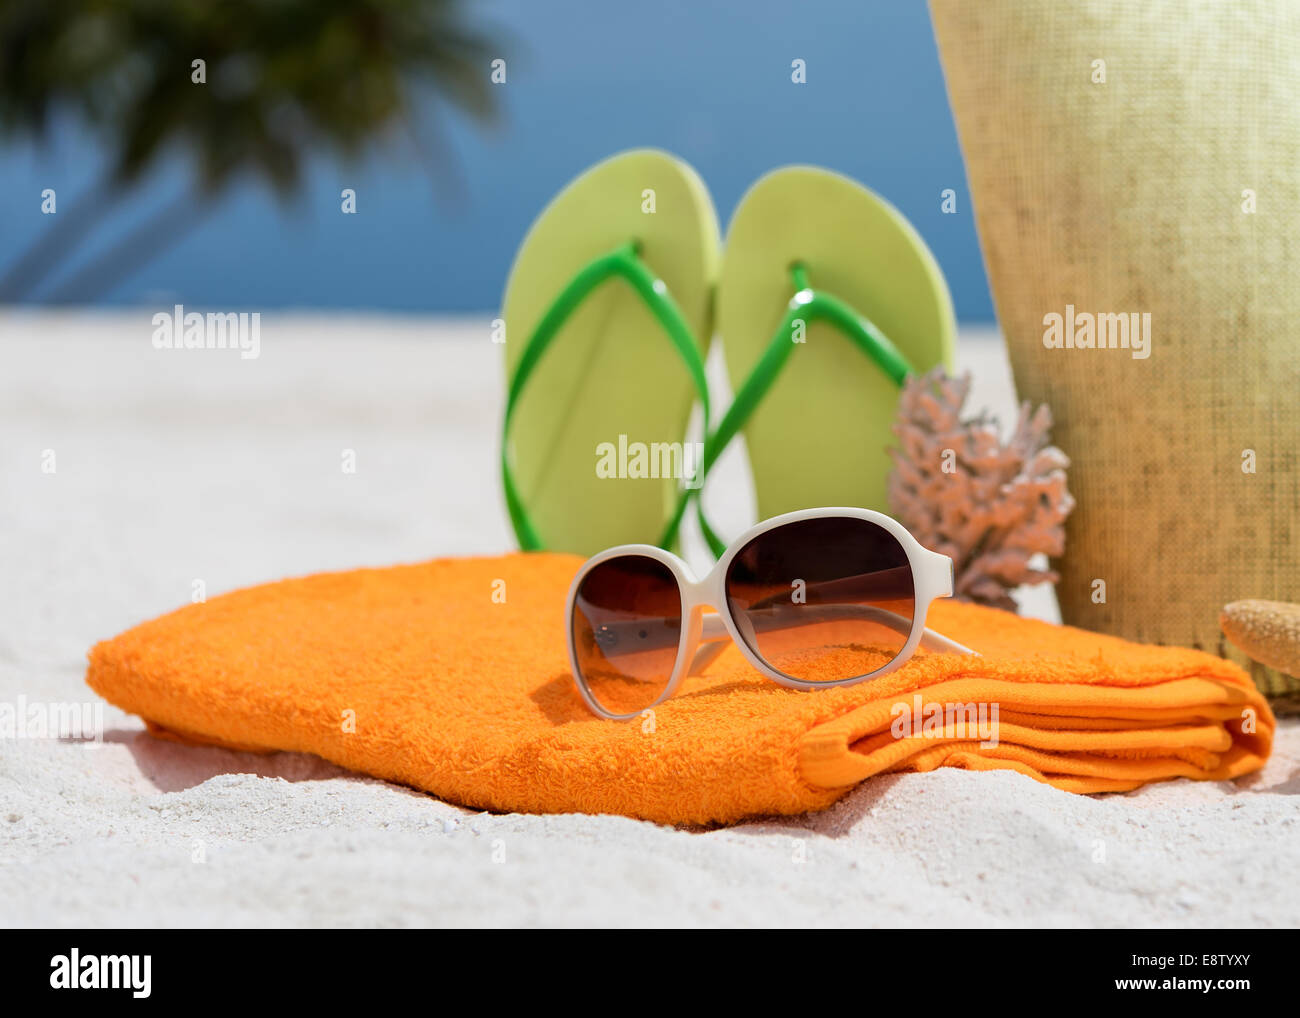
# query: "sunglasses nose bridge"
697,594
708,633
699,598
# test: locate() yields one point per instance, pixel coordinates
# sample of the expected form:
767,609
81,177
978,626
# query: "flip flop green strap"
623,262
806,306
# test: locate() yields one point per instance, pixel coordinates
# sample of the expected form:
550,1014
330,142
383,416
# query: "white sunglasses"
813,599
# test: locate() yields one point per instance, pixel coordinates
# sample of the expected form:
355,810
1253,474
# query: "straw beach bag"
1144,159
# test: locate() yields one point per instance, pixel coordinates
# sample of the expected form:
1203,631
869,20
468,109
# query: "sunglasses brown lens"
823,600
627,626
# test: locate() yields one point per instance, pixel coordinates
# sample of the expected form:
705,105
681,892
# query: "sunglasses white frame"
932,577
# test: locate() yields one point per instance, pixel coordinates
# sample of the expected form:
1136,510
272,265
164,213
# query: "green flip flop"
608,318
827,301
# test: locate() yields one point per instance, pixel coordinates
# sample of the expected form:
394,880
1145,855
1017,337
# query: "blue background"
706,79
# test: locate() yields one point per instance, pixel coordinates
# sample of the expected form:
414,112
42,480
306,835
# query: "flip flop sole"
820,435
612,371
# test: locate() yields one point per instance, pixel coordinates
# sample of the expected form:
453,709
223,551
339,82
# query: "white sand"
179,466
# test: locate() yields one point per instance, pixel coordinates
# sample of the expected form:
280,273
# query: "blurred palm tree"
285,79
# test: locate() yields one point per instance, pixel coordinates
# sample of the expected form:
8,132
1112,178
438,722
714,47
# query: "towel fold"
451,676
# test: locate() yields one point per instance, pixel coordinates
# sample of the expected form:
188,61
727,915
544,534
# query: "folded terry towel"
451,676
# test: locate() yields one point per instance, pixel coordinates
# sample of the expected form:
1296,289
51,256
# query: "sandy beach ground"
173,467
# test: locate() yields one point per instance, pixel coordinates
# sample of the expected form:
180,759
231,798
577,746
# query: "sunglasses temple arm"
714,639
884,584
706,655
940,644
785,616
714,630
714,636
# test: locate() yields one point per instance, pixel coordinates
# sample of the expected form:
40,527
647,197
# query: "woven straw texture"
1128,196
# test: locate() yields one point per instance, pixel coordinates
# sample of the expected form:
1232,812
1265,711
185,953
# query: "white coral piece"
991,507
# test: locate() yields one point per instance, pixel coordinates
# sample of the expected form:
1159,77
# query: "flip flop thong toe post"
827,300
608,319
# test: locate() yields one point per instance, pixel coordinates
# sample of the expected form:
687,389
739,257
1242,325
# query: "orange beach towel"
451,676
